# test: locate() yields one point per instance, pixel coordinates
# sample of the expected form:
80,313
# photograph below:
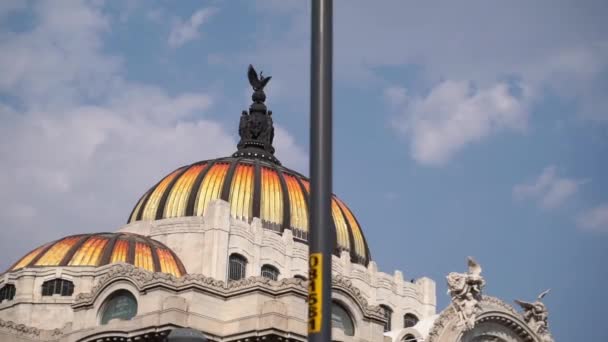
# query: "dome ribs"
107,252
70,254
225,195
176,203
286,200
90,251
155,260
241,192
253,188
178,262
33,256
257,180
144,203
351,238
143,256
342,241
359,243
99,249
131,250
211,187
150,209
160,209
304,192
137,209
271,200
298,214
367,256
53,256
194,190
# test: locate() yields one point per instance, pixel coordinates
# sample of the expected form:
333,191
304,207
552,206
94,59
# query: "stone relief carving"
144,280
536,316
340,282
465,290
20,329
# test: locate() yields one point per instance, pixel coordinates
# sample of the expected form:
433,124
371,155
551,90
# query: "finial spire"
255,128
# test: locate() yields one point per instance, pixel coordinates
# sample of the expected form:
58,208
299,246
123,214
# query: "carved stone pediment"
495,318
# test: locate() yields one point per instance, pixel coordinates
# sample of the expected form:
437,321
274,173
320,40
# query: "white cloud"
595,219
454,115
185,31
471,42
79,143
550,190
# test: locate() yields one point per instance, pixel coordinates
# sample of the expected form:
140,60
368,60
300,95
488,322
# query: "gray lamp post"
186,335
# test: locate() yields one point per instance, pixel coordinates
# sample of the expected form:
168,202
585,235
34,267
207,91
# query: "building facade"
220,246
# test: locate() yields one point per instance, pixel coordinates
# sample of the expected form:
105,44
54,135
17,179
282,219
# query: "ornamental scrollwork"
20,329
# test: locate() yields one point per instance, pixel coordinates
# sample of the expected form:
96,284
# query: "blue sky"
460,129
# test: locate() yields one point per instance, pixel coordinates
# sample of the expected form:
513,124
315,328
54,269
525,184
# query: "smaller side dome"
100,249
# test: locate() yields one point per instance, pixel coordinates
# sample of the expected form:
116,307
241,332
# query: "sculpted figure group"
465,290
536,315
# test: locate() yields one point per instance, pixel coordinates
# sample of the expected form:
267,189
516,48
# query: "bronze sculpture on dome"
256,128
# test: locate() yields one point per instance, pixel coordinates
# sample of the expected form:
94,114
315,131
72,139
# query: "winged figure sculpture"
258,83
536,315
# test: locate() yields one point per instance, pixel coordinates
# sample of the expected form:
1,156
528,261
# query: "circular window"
119,305
409,320
341,319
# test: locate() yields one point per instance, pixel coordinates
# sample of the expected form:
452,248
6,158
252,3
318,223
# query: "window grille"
388,313
270,272
62,287
237,266
409,320
7,292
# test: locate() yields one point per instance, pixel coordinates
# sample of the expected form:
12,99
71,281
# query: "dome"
255,184
104,248
254,188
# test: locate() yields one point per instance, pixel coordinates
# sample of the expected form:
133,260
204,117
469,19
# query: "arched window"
388,315
119,305
301,277
340,318
270,272
7,292
62,287
237,267
409,320
409,338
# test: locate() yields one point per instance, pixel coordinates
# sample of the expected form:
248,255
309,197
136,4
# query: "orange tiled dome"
104,248
254,188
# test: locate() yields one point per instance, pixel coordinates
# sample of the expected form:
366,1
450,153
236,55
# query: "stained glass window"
120,305
341,319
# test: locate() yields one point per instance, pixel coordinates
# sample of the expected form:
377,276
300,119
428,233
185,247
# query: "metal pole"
321,239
